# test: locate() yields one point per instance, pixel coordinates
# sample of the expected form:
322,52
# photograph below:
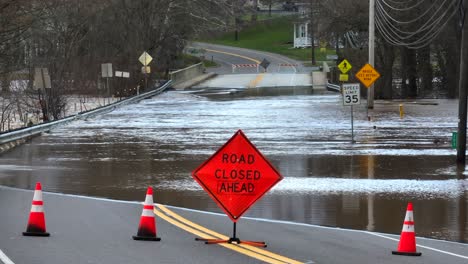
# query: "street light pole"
370,91
462,86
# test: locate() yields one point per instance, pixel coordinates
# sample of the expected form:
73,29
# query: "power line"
419,43
397,32
379,5
429,24
403,9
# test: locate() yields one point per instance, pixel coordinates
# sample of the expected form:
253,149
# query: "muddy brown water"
327,180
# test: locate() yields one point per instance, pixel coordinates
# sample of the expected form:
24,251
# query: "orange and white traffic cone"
147,227
407,244
36,222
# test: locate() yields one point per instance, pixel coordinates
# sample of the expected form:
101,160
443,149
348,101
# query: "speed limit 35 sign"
351,94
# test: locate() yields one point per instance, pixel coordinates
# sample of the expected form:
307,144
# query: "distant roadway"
226,56
237,69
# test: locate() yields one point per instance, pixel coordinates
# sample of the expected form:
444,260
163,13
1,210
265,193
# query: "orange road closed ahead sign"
367,75
236,176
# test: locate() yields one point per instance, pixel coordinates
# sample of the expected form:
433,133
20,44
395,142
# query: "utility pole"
311,30
462,86
370,91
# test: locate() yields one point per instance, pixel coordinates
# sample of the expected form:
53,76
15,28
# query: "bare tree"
16,18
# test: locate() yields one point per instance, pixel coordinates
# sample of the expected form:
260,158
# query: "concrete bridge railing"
11,139
186,74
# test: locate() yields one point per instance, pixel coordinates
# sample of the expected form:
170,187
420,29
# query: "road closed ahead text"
240,177
236,176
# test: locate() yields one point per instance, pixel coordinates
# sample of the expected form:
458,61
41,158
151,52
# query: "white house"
302,36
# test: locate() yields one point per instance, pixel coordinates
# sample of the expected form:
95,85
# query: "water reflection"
328,181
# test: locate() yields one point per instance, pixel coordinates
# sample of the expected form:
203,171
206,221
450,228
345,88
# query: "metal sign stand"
352,125
108,90
146,83
231,240
351,96
106,71
145,59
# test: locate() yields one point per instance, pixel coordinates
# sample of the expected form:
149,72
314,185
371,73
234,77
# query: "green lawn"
275,35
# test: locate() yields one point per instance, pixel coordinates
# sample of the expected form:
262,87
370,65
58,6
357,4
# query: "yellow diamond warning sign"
344,66
367,75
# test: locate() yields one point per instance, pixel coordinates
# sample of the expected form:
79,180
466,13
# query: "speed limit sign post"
351,96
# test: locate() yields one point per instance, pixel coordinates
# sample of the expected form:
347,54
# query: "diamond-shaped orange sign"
236,176
367,75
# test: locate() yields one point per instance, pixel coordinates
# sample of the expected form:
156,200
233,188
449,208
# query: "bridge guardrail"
39,128
333,87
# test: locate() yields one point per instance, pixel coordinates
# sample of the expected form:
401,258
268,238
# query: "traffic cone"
36,222
147,227
407,244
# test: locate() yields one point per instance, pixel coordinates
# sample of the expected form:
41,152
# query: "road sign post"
235,177
351,96
106,70
145,59
43,85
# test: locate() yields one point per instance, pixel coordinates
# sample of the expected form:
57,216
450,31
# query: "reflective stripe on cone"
407,244
36,223
147,226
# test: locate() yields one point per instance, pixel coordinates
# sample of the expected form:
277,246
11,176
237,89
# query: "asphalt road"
90,230
226,56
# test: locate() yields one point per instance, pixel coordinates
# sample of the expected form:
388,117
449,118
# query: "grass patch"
209,63
261,16
275,35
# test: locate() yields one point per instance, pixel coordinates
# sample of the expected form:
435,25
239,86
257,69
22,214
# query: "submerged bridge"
263,82
241,70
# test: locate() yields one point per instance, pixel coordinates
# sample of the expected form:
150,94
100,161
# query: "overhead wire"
414,45
427,25
351,39
415,19
400,2
403,9
424,40
393,30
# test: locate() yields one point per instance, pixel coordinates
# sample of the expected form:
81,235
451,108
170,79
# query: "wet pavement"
94,230
328,180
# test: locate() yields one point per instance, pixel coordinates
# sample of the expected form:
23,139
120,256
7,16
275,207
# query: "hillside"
274,35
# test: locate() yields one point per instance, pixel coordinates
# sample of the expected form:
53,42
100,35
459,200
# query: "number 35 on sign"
351,94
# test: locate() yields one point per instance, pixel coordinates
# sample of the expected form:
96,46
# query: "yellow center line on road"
257,79
203,232
229,246
235,55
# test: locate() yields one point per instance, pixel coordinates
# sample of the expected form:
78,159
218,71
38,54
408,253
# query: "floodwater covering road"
328,180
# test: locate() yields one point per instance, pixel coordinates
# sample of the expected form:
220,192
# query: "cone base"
146,238
416,254
43,234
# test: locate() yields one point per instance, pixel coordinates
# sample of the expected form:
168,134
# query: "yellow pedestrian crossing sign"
344,66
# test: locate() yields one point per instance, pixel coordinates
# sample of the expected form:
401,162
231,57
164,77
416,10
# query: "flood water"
327,180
